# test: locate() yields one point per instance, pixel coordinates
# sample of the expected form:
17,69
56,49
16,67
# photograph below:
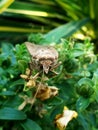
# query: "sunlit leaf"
77,52
65,30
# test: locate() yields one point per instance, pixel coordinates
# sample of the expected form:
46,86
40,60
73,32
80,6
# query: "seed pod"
28,71
71,65
85,90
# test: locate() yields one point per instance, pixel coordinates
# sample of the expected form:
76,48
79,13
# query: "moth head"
46,64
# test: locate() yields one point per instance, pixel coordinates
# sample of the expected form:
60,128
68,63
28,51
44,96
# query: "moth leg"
55,66
31,67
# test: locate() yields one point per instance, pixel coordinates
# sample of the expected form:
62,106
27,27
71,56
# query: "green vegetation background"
78,75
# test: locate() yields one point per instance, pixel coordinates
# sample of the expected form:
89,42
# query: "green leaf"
7,93
22,64
1,128
95,79
8,113
82,104
92,67
13,102
16,83
77,52
86,81
30,125
65,30
82,120
56,110
55,101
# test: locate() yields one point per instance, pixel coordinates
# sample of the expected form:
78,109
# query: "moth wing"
31,48
52,51
38,51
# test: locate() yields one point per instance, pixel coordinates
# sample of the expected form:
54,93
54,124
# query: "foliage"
77,82
23,17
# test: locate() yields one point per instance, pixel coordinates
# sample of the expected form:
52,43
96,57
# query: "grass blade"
4,4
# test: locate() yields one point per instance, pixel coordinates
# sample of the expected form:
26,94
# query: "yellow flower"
63,119
31,83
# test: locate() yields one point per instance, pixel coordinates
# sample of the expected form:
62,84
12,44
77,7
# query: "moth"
43,56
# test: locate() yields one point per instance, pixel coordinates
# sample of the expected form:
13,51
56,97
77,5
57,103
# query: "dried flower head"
31,83
46,92
30,80
62,120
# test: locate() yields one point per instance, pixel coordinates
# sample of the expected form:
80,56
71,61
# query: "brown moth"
43,55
